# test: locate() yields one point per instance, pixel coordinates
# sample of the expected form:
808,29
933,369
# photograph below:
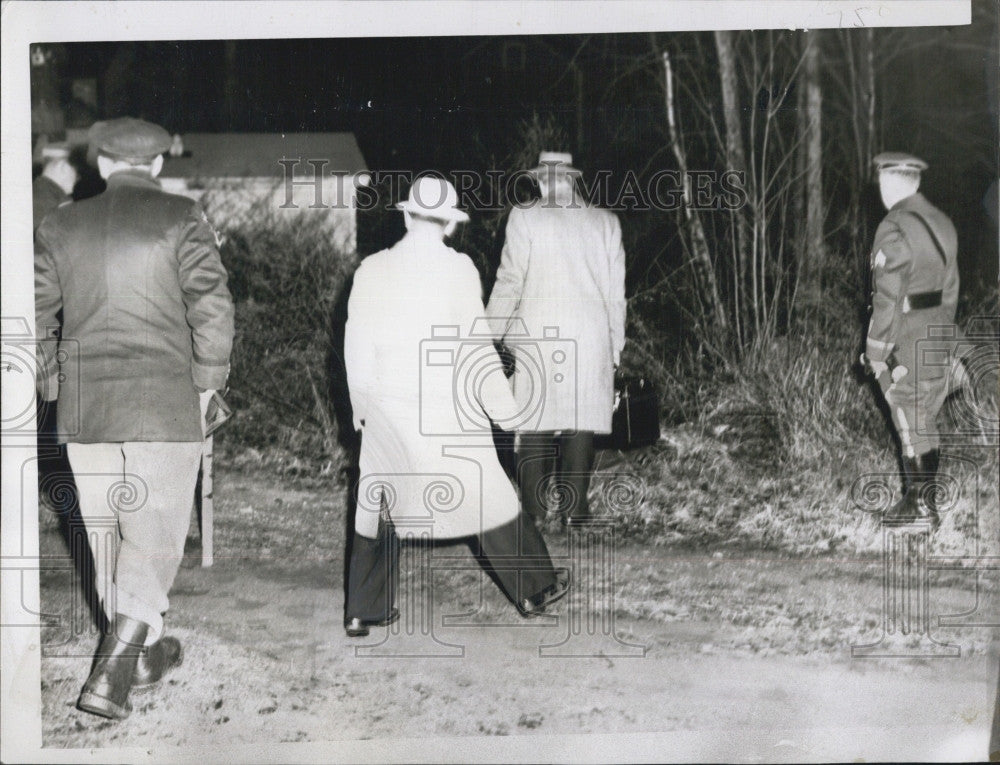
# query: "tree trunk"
735,155
867,77
814,254
801,162
702,259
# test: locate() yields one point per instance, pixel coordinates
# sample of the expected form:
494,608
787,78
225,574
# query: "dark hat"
131,139
898,160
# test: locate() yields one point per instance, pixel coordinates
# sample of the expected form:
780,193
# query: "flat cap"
129,138
898,160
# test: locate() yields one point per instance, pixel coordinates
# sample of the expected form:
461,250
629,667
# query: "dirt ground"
732,656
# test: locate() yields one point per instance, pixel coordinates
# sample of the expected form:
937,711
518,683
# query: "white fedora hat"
554,162
435,198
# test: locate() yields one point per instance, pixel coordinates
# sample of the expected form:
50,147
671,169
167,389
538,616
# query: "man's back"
144,301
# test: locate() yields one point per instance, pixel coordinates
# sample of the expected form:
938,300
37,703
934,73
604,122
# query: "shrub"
286,277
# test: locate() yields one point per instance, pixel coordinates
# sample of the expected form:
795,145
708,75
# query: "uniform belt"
921,300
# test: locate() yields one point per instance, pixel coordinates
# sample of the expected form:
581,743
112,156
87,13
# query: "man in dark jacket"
914,290
148,325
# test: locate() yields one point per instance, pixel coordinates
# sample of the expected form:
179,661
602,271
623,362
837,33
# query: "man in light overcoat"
559,304
424,389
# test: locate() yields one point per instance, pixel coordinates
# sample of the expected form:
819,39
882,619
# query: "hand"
204,397
878,368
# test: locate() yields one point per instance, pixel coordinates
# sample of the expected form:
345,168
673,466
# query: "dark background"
461,102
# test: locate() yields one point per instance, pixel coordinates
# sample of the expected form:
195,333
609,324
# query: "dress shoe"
536,604
155,661
106,691
357,627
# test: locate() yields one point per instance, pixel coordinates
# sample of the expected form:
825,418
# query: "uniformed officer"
54,186
148,320
914,289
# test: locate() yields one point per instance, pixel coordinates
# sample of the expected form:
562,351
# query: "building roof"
257,155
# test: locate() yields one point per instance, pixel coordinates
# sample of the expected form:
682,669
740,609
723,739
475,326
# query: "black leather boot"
927,466
155,661
918,502
106,691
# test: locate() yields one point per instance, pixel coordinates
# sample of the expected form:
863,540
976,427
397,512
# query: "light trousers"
135,501
914,405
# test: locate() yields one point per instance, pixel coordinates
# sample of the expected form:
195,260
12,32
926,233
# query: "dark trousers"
514,554
54,474
559,465
372,575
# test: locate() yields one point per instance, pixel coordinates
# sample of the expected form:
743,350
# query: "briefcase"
635,422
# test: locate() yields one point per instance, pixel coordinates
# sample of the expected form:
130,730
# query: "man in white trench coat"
559,304
427,455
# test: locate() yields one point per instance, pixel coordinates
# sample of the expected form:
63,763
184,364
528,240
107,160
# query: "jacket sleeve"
208,304
48,302
509,286
359,357
890,274
616,298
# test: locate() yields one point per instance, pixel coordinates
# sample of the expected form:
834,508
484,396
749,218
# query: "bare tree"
701,258
735,160
813,256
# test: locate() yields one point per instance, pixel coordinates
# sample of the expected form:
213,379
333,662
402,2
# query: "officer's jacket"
147,316
914,285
